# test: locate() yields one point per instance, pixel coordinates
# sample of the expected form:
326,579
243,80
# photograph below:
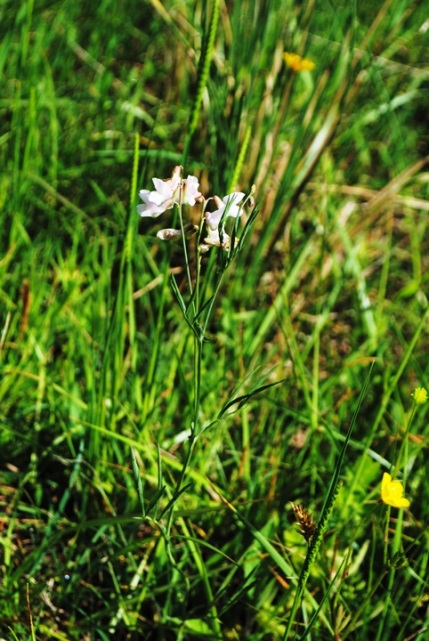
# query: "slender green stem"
212,302
198,356
240,160
179,485
387,601
310,558
185,249
316,383
203,74
325,514
386,536
197,365
404,443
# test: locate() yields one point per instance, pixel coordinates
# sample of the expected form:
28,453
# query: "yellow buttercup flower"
296,63
420,395
392,492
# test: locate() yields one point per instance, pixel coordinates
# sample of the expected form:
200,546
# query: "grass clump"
163,403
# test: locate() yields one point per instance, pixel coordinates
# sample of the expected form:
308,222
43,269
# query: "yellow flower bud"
420,395
296,63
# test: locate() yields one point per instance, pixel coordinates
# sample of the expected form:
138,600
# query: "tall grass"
161,409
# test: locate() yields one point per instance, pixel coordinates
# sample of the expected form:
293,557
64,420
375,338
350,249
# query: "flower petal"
213,218
392,492
149,208
169,234
232,204
213,238
296,63
190,190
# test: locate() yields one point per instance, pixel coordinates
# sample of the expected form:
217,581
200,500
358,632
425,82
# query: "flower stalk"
215,215
392,495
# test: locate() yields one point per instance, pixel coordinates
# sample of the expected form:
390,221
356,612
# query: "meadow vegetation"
192,444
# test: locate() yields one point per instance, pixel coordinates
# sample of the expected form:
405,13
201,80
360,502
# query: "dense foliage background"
114,523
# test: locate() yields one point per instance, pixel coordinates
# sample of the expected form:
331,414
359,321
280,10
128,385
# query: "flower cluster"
168,192
305,520
180,191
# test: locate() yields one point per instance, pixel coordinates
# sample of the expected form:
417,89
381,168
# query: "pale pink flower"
167,193
213,238
190,191
173,234
169,234
230,203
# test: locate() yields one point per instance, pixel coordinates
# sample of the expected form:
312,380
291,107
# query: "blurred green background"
97,362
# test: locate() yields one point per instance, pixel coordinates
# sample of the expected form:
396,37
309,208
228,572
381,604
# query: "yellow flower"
392,492
420,395
296,63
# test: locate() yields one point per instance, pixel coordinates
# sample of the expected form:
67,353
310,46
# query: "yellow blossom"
420,395
296,63
392,492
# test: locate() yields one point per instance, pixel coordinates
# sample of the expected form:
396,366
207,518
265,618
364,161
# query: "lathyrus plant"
217,229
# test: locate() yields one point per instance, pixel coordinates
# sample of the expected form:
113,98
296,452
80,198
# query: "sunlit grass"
153,439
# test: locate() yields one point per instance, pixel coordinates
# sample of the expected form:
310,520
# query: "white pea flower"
169,234
163,198
230,203
213,239
174,234
190,191
167,192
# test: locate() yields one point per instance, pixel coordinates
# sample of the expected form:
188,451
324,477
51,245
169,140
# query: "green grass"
151,440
